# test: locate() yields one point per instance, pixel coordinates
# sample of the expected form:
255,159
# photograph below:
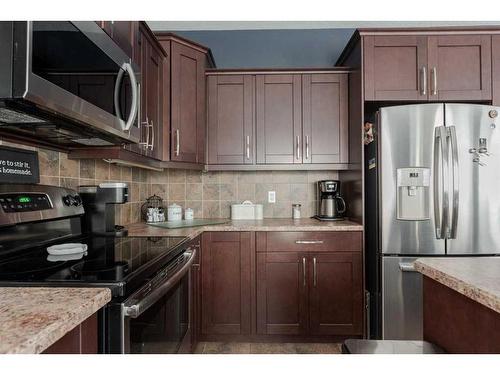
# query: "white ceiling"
270,25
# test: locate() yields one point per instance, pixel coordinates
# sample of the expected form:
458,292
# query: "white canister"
188,214
296,211
174,212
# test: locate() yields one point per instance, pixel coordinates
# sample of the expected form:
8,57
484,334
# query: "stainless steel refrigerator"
432,189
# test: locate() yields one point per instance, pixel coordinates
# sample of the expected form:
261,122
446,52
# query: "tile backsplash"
209,194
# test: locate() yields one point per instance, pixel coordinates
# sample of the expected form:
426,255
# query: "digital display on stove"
25,202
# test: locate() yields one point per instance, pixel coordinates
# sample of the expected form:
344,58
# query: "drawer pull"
308,242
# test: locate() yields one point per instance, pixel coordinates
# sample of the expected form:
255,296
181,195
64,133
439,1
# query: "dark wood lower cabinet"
335,294
80,340
226,282
282,306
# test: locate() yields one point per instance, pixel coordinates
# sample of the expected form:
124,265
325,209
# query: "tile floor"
267,348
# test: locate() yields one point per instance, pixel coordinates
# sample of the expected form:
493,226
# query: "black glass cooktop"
107,260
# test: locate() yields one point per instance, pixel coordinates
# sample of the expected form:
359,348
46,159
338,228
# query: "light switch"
271,197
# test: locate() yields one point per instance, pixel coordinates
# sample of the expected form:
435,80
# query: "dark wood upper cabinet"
226,268
123,33
335,293
279,119
325,118
459,67
188,98
420,67
282,306
495,58
230,119
395,67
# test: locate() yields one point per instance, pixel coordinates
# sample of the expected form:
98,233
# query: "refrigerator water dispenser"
413,197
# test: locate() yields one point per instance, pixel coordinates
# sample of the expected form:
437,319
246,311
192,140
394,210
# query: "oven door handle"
135,308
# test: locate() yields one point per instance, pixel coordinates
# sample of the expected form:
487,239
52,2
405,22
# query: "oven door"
156,318
76,71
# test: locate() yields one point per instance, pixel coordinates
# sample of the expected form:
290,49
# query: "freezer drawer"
401,299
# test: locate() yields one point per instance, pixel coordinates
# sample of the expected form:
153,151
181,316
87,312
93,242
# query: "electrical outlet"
271,197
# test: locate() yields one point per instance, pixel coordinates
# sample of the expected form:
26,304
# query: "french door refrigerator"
432,179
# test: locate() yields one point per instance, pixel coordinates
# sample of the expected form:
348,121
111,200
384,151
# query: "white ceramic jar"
174,212
188,214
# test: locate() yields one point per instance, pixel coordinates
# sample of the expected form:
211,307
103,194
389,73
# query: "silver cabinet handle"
434,80
423,82
248,147
452,134
407,267
314,272
152,145
145,145
307,147
308,242
304,271
178,142
298,147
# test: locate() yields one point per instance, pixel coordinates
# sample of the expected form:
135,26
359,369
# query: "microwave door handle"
452,134
127,67
138,307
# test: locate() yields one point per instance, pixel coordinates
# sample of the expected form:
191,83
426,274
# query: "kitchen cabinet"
230,119
80,340
325,118
226,273
335,293
495,59
278,118
195,310
459,67
420,67
395,67
153,122
122,32
282,306
309,283
265,118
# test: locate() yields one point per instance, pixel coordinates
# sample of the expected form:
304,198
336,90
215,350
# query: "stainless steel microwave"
67,83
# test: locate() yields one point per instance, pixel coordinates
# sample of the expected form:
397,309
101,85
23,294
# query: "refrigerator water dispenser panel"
413,199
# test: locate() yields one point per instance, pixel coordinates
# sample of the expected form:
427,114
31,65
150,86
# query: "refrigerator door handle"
440,182
452,135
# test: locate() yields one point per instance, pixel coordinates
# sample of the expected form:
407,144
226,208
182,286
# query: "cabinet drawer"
309,241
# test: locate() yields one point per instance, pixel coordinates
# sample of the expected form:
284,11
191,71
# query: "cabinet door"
495,58
395,67
336,294
226,282
154,94
187,98
279,123
459,67
230,119
325,128
282,293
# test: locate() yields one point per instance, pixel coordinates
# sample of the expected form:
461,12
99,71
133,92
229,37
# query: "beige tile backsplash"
209,194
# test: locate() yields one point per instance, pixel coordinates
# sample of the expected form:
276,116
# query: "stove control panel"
72,200
25,202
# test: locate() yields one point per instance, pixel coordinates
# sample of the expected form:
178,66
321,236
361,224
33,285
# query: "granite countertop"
477,278
32,319
266,225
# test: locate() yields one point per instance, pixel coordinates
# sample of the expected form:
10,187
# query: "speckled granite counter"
476,278
32,319
266,225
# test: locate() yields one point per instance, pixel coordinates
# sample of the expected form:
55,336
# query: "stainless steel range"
149,277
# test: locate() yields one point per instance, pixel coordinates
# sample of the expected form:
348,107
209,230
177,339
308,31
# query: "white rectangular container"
247,211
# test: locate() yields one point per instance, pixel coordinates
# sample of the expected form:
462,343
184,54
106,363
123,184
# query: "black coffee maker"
331,206
99,203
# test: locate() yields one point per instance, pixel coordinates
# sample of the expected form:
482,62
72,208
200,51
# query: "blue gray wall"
273,48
